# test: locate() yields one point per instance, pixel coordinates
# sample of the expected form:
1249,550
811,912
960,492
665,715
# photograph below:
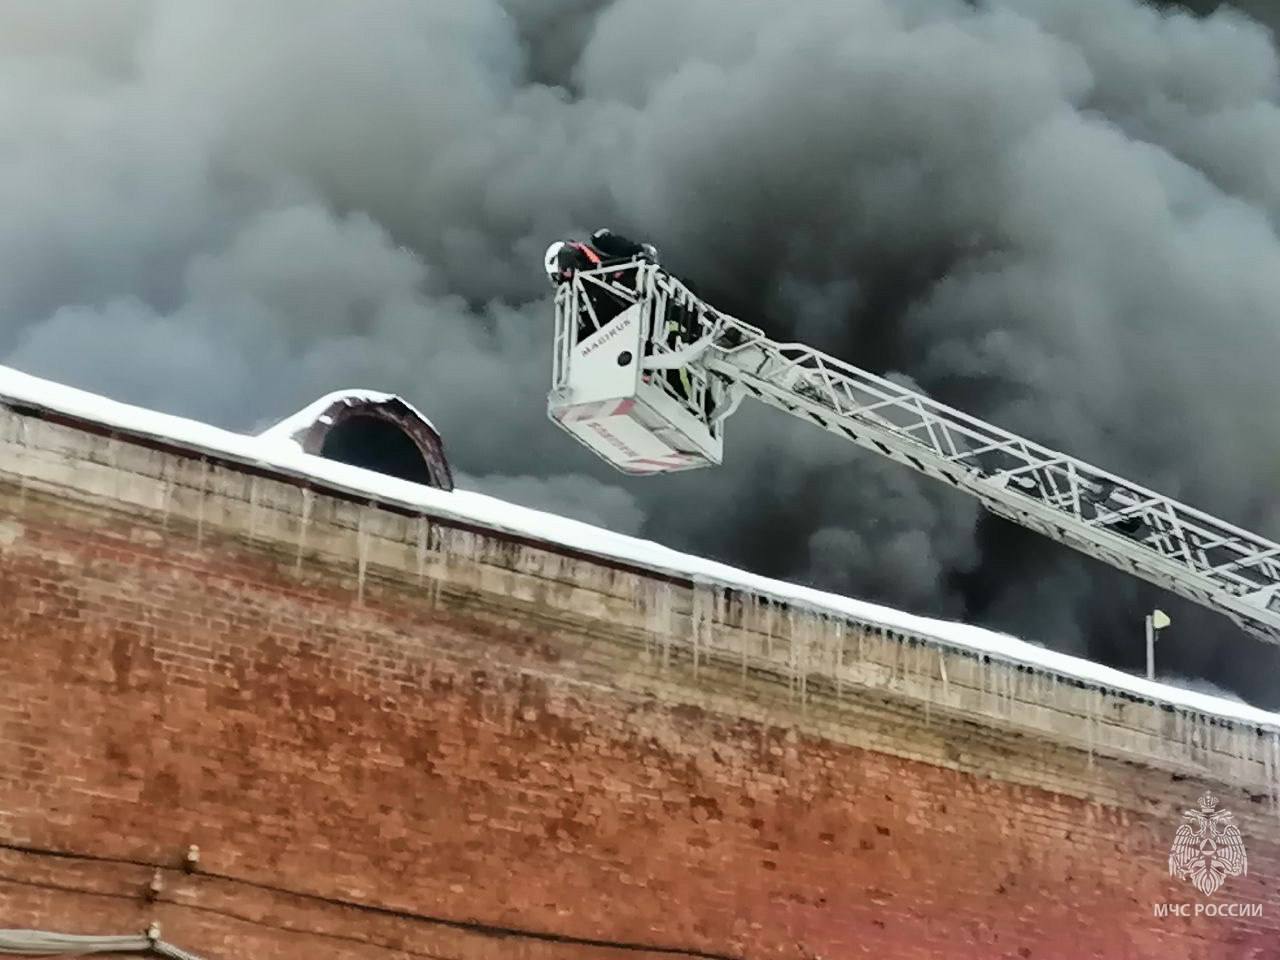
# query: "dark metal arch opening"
375,443
377,432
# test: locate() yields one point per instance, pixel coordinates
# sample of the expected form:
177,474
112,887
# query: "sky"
1063,218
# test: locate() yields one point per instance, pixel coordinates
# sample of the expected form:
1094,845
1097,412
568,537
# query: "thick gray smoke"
1060,216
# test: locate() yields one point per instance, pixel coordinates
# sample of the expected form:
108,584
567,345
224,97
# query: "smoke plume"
1062,217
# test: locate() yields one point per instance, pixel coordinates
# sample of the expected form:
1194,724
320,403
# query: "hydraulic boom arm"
1185,550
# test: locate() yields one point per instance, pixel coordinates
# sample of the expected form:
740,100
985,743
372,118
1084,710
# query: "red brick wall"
382,778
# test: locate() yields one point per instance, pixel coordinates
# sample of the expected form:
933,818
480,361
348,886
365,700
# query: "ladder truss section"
1187,551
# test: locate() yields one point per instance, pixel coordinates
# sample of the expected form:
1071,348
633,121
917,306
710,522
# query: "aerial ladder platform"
645,375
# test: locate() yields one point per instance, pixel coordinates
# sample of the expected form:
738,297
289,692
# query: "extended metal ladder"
1128,526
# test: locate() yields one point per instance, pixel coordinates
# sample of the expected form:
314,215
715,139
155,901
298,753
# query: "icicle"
440,547
1260,752
424,531
18,432
653,603
669,632
304,525
697,612
813,624
942,670
727,615
202,493
253,508
362,554
799,637
800,649
1090,724
819,650
166,500
838,644
17,436
113,460
792,655
658,619
1274,778
928,694
645,600
713,614
769,616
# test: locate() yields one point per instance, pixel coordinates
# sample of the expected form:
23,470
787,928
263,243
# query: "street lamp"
1156,621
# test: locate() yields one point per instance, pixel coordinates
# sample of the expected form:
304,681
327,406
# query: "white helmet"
552,261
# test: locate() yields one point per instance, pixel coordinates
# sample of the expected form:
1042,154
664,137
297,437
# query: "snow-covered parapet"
277,450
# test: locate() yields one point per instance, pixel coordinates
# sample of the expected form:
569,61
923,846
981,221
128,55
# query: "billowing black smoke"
1059,216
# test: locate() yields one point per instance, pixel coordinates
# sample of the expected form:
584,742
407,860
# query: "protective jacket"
616,247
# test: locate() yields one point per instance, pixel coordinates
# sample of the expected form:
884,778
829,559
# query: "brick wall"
486,755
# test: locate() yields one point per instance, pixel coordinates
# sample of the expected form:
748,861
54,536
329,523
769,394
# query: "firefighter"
678,379
564,258
616,247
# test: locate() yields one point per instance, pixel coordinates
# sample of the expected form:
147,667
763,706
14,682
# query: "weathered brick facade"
394,738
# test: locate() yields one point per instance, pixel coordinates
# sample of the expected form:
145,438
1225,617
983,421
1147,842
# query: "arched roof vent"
376,431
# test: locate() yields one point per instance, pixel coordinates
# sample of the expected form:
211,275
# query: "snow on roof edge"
275,450
304,418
